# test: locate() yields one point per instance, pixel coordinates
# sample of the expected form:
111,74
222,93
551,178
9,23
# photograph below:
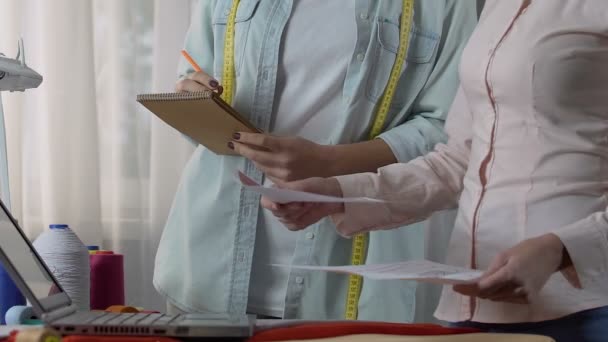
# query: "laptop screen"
20,254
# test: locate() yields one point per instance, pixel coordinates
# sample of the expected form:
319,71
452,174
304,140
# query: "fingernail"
230,145
236,136
213,83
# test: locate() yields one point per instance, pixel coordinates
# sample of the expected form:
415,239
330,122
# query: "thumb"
466,289
277,183
498,262
269,204
497,278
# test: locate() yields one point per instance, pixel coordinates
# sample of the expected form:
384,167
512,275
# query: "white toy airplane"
15,75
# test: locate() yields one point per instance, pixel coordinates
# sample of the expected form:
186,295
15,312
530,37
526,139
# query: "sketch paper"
420,270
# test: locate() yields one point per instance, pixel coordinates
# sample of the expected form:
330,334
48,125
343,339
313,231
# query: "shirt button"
360,57
363,15
227,12
310,235
346,99
299,280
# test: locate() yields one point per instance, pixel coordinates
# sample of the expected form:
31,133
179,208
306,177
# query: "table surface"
5,330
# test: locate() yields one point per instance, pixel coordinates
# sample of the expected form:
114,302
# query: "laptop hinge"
56,314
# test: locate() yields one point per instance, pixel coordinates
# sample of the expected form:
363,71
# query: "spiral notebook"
202,116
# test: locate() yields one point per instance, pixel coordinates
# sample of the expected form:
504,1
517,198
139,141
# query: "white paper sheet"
287,196
419,270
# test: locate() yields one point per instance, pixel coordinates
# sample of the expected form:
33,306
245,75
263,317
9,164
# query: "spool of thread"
19,314
68,259
107,280
93,249
9,294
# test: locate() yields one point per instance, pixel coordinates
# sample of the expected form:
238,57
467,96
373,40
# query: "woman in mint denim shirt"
204,261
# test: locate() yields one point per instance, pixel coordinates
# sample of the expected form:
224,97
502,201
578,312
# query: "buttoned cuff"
359,217
587,246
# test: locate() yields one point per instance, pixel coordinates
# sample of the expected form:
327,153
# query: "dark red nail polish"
213,83
231,145
236,136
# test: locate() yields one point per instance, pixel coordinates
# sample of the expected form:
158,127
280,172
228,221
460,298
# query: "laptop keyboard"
111,318
155,324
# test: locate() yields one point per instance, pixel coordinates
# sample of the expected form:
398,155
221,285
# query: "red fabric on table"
325,330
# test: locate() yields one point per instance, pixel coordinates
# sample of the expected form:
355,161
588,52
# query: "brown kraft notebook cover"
202,116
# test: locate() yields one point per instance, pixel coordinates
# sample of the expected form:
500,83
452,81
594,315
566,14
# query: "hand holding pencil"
198,80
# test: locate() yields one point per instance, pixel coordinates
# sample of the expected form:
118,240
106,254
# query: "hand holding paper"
518,274
283,196
298,209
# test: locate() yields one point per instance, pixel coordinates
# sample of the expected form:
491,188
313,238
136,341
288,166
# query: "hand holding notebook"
201,115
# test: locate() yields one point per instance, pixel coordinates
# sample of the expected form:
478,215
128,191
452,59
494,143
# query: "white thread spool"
18,315
68,259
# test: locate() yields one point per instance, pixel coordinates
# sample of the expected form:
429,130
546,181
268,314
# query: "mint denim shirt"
204,259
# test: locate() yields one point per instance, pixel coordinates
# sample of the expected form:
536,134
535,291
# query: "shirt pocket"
244,15
384,47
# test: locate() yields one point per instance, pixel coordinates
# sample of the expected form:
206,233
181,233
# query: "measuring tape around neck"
360,241
228,72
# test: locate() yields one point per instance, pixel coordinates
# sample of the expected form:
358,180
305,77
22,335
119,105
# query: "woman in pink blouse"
527,165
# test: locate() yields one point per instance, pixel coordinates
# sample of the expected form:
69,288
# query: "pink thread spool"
107,280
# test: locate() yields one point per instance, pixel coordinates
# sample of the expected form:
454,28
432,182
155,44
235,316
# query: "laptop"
55,309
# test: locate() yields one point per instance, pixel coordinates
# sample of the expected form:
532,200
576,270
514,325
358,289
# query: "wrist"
555,245
336,190
330,159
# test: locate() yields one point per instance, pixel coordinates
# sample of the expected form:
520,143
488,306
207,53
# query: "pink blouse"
527,154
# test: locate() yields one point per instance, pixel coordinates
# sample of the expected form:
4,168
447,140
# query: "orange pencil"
191,61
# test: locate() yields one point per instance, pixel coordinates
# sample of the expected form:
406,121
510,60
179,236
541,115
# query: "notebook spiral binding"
175,96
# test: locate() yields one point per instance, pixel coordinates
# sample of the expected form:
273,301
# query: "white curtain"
81,150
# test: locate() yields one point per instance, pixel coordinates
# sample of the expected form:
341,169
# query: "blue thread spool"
9,294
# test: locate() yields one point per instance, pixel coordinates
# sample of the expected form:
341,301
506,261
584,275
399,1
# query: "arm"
291,158
517,275
199,45
424,128
414,190
199,39
347,157
585,244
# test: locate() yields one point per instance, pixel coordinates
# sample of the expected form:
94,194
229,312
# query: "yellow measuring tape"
229,80
360,241
229,74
